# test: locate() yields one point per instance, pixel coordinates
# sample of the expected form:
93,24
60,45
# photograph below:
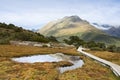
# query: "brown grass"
16,51
113,57
91,70
10,70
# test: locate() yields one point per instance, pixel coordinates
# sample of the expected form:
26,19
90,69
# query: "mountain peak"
75,26
73,18
68,25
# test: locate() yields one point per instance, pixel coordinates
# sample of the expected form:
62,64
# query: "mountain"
11,32
34,30
67,26
102,26
109,29
114,31
75,26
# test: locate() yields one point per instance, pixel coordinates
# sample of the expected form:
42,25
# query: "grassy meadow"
10,70
110,56
17,51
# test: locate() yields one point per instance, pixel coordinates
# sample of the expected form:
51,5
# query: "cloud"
38,12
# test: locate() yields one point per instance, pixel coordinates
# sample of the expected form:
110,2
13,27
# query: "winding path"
114,67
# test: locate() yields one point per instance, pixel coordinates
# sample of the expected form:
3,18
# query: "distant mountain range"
34,30
102,26
75,26
114,31
109,29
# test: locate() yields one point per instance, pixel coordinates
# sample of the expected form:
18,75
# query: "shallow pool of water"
76,64
75,60
37,58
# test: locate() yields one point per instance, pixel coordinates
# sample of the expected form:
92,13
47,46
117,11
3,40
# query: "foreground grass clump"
10,70
110,56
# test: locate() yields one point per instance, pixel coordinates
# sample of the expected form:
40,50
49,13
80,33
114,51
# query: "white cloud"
38,12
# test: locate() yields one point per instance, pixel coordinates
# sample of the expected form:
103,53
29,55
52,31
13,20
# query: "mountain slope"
11,32
114,31
74,26
109,29
67,26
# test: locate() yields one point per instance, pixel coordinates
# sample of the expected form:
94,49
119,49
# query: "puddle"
75,60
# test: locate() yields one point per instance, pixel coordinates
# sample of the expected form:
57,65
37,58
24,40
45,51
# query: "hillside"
114,31
109,29
11,32
67,26
75,26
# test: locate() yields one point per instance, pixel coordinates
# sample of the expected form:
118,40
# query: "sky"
34,14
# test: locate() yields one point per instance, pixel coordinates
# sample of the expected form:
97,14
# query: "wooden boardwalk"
114,67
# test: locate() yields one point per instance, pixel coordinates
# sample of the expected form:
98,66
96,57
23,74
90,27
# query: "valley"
16,42
59,39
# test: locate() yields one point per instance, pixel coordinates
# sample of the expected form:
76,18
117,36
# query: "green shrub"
4,41
44,45
96,49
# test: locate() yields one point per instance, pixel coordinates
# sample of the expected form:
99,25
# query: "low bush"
96,49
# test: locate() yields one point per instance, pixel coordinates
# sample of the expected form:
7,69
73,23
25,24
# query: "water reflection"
75,60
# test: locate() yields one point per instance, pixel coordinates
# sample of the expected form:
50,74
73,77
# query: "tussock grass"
10,70
90,71
110,56
17,51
